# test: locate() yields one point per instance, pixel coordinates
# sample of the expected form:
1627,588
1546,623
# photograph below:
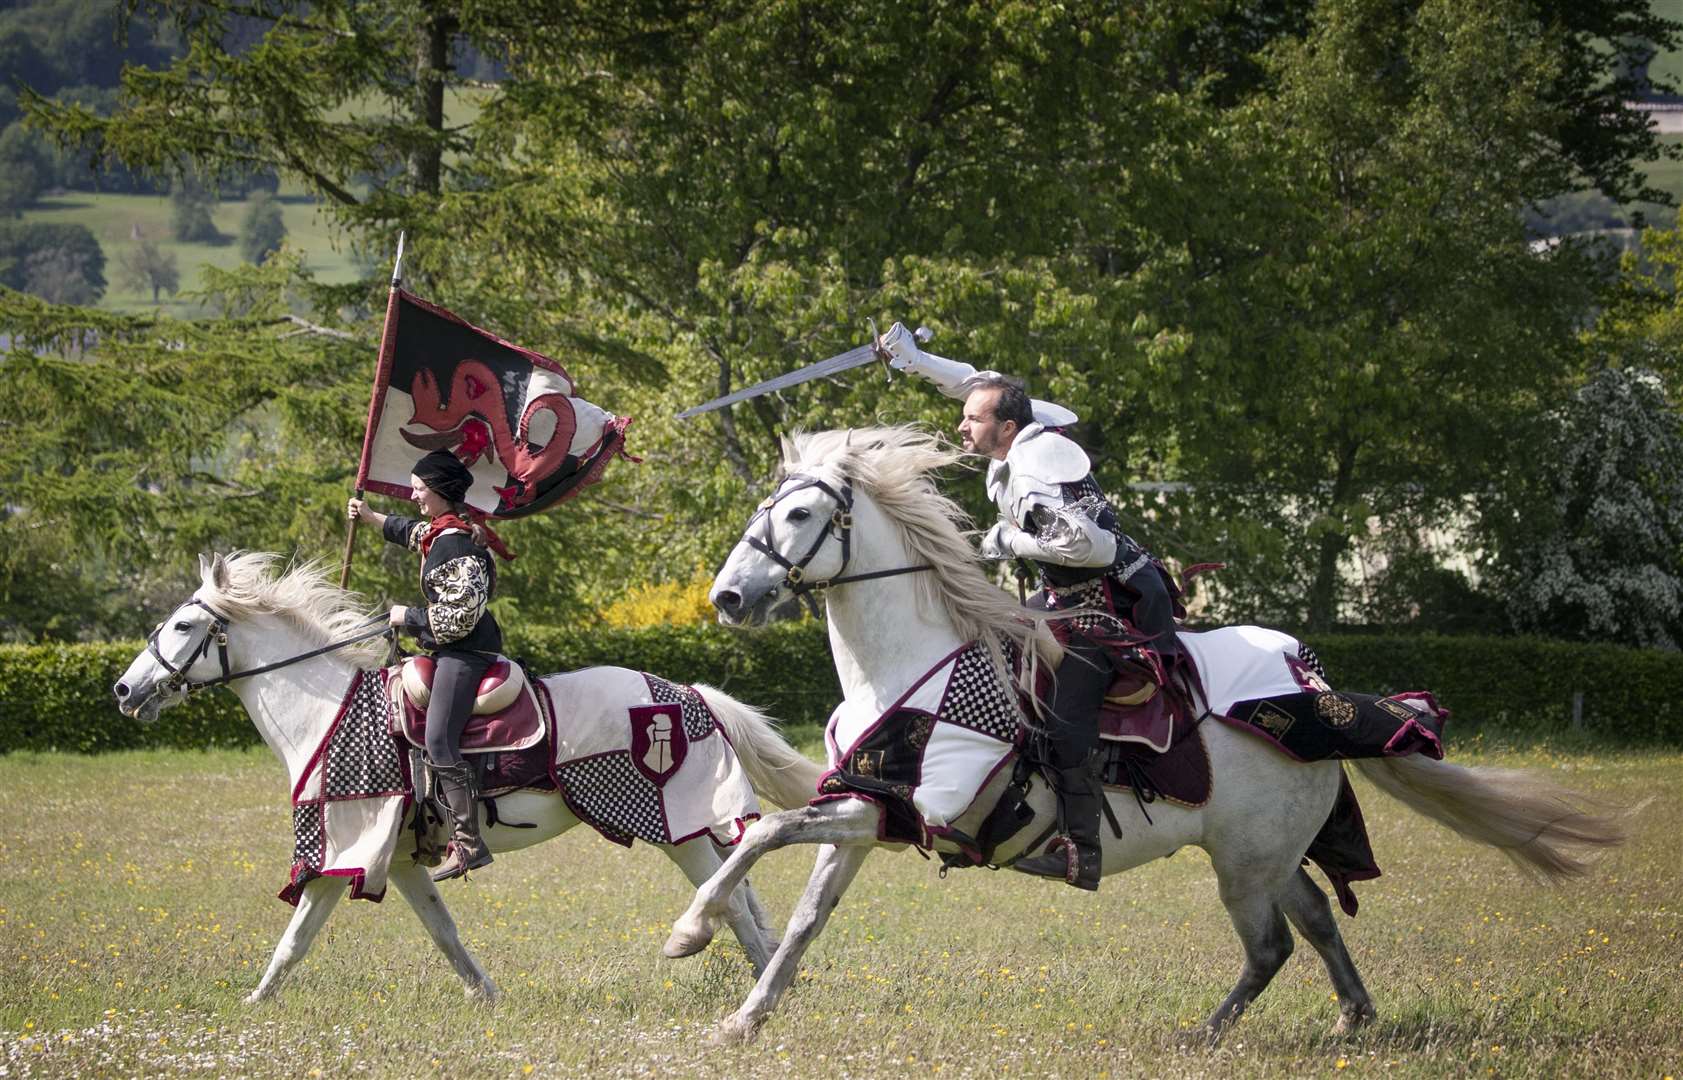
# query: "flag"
511,415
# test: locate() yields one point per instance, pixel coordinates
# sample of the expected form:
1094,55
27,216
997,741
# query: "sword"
852,358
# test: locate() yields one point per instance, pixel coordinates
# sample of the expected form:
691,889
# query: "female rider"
457,580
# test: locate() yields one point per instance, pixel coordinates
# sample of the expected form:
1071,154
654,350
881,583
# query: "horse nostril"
121,690
727,601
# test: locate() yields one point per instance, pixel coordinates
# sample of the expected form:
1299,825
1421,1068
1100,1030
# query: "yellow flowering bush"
669,603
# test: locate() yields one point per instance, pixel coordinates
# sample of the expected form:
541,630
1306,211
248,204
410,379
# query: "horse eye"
184,626
799,513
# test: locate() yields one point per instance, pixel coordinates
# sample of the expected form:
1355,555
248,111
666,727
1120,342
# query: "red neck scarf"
444,522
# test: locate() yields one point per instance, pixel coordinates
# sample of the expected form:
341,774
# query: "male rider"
1054,514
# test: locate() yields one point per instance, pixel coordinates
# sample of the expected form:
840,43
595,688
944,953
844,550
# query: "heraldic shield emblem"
658,742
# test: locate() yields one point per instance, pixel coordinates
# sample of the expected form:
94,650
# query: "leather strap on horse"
841,526
218,633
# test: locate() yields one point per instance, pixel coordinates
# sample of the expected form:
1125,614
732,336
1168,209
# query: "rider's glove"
1006,541
901,346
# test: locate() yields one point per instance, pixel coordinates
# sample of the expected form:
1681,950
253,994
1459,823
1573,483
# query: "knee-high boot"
467,849
1075,855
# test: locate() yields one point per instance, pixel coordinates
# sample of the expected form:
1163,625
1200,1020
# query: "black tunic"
458,580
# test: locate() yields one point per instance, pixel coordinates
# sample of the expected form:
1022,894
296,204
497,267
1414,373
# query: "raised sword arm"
955,378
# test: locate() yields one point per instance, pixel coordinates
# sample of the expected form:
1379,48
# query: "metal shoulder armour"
1038,464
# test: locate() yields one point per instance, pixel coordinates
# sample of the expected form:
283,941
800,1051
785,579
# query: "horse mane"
894,465
302,594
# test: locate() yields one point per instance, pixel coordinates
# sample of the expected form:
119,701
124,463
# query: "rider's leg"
454,684
1073,732
1152,612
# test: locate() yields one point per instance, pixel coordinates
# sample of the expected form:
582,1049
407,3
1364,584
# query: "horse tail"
1550,832
775,768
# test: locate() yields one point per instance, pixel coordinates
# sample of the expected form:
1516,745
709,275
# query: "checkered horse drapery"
926,757
668,777
348,805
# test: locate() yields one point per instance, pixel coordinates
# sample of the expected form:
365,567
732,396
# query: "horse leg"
417,887
317,901
845,821
1307,908
831,875
699,862
1267,943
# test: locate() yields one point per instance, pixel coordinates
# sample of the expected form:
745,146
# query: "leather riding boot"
1075,855
467,850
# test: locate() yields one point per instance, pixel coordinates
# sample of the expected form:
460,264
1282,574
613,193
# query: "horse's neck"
292,706
882,638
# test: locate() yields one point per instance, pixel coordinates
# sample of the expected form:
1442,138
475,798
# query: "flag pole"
376,398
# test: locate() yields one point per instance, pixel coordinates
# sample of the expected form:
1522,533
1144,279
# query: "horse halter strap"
841,525
218,633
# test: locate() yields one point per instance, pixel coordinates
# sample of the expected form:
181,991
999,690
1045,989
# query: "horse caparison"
1264,809
269,618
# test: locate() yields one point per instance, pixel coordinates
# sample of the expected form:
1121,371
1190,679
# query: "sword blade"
852,358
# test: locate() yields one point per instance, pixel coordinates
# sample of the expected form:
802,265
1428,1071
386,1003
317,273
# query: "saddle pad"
515,728
1181,774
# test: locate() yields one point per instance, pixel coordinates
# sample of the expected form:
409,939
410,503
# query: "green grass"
113,220
136,908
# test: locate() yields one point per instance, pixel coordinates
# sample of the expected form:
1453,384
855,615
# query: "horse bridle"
840,526
218,634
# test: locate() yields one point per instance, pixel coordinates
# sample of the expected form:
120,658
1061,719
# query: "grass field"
137,907
114,218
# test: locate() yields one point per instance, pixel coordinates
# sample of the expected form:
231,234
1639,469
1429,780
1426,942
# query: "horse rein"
840,526
218,633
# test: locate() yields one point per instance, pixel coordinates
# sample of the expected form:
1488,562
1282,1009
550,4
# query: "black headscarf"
445,474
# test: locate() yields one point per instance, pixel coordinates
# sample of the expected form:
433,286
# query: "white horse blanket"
927,757
634,756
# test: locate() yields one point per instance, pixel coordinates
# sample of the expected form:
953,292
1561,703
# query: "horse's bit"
841,527
218,634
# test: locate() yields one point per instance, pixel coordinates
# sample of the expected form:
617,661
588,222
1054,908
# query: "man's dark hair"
1012,401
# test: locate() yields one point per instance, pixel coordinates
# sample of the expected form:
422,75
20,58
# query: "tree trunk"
432,63
1323,594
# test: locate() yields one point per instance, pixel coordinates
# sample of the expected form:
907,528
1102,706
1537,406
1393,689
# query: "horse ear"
219,572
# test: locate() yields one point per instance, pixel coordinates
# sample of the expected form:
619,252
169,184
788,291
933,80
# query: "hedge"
58,697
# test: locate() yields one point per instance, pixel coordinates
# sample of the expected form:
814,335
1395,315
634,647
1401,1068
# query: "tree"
142,433
61,275
1589,538
144,266
191,203
263,230
1239,239
25,168
21,242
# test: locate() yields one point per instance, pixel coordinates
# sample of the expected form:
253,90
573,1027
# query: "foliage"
1591,535
21,242
118,462
25,168
59,696
62,276
262,231
191,202
145,266
663,603
676,200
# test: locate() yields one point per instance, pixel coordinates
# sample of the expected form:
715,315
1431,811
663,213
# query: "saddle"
1148,738
505,711
1135,707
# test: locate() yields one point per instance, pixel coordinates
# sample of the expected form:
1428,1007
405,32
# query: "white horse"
244,617
887,630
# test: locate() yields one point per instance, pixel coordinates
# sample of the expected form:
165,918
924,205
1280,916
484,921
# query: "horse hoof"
484,992
734,1032
256,997
1354,1019
686,941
